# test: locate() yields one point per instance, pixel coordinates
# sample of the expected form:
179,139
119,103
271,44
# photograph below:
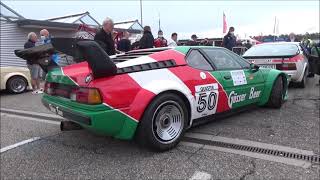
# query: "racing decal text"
254,94
235,98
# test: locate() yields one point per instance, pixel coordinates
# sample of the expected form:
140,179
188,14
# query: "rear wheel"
163,123
277,94
17,84
302,84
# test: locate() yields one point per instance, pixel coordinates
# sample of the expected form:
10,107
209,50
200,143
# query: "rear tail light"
49,88
287,66
78,94
86,95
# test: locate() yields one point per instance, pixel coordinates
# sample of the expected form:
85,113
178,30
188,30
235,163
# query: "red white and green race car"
155,95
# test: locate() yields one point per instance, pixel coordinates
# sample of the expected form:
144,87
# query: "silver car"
289,57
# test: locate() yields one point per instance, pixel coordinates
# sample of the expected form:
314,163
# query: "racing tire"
303,82
16,84
163,123
276,97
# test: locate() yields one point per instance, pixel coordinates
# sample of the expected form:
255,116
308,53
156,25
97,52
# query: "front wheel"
17,84
163,123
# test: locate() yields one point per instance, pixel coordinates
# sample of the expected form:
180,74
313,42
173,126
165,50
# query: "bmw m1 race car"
155,95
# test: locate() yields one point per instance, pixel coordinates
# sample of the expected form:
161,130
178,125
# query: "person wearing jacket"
104,37
229,40
147,39
33,67
160,41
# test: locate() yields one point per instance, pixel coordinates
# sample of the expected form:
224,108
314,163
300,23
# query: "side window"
196,60
244,63
222,60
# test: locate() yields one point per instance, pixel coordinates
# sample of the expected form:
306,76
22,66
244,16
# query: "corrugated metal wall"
13,37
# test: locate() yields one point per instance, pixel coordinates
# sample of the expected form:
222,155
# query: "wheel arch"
269,83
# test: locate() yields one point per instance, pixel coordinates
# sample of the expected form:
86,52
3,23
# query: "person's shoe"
35,92
40,91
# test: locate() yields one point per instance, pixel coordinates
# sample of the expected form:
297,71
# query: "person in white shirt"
173,41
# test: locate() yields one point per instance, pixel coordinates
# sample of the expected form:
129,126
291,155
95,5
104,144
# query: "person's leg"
33,82
39,91
35,78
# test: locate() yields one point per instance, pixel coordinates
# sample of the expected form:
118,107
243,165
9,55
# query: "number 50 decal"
206,101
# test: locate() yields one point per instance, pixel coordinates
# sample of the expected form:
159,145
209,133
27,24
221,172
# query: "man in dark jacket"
104,37
229,40
33,67
147,39
124,44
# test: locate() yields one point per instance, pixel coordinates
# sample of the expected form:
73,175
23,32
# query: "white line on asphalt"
31,118
18,144
198,175
31,113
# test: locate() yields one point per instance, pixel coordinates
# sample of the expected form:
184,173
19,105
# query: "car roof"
278,43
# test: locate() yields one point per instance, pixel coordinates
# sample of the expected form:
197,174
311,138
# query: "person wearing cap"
229,40
193,41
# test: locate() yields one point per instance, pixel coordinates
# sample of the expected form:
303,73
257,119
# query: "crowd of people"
105,38
35,70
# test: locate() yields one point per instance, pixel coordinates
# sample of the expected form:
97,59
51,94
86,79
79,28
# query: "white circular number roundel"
203,75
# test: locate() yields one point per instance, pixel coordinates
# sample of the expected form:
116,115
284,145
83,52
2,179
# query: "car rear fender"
270,80
305,67
155,88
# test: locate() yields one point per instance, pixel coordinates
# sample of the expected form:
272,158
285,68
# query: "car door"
206,90
242,84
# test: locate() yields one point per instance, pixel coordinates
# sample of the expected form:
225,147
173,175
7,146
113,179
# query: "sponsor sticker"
206,99
236,98
238,77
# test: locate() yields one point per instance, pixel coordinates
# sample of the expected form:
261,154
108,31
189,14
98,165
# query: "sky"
203,18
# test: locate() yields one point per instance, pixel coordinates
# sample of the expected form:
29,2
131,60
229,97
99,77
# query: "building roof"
129,25
68,22
8,14
31,23
80,18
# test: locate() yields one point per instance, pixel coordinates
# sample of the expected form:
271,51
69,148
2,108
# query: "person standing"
194,41
173,42
292,38
160,41
45,36
147,39
136,44
104,37
229,40
32,66
124,44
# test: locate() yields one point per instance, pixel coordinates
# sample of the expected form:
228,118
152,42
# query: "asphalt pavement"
52,154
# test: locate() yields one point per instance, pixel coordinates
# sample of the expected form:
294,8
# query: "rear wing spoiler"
81,50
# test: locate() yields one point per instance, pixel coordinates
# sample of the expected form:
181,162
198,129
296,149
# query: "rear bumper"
100,119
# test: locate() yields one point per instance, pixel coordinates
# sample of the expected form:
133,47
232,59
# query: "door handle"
227,77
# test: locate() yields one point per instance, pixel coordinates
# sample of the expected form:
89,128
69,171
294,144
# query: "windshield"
273,50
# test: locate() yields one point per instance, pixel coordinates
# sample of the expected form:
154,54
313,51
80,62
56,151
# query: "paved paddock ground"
83,155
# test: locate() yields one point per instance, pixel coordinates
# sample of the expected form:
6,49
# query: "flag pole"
141,13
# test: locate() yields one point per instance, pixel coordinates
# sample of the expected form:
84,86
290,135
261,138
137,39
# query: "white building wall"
13,37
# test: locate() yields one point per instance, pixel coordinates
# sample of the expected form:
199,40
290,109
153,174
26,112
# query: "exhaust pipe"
69,125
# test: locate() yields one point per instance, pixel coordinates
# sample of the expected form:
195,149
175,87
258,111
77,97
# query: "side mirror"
254,67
